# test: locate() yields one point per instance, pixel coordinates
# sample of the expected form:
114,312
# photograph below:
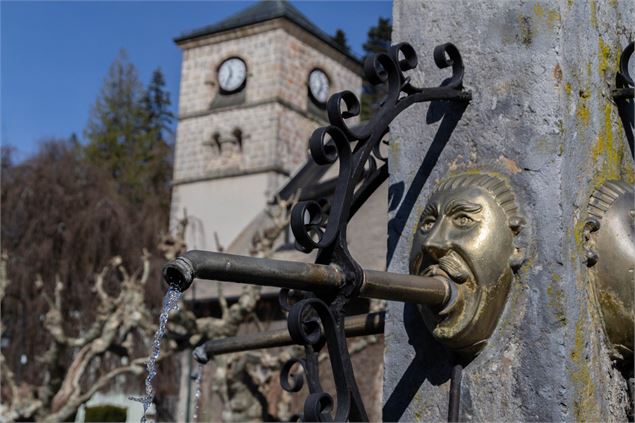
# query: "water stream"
197,392
170,302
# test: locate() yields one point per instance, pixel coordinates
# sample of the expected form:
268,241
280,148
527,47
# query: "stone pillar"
542,115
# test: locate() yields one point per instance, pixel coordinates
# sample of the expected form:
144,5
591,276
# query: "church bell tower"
253,88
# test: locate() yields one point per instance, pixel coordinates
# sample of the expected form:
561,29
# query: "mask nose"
436,243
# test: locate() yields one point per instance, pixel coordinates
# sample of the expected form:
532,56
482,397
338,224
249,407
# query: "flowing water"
170,302
197,392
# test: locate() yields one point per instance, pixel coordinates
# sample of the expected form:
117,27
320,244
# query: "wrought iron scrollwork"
318,320
315,295
311,226
623,95
625,87
292,382
312,323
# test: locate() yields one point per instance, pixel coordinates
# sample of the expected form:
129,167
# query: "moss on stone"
606,153
585,407
578,235
556,299
604,59
553,17
582,112
526,30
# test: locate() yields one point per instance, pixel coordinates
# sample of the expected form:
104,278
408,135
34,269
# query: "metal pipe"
365,324
454,403
406,288
208,265
318,278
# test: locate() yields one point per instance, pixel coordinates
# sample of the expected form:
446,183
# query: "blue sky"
55,55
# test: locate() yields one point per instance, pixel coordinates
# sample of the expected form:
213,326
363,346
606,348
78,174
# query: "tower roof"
264,11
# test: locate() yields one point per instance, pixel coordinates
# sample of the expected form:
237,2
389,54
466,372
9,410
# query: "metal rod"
407,288
208,265
318,278
365,324
454,403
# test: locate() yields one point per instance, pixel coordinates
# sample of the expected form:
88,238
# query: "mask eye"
463,221
428,223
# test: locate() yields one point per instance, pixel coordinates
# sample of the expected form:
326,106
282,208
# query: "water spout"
180,273
170,303
197,392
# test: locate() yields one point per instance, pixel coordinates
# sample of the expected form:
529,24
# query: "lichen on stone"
585,407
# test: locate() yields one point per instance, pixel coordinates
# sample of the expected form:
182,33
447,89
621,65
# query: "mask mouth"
450,266
435,270
453,268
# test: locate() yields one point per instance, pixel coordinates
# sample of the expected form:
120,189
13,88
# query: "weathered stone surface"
273,116
542,116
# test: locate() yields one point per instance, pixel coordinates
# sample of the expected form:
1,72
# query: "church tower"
253,89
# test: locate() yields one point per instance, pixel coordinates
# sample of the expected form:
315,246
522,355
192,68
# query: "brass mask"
466,234
610,249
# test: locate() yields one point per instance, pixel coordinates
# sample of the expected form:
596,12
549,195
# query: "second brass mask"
466,234
610,248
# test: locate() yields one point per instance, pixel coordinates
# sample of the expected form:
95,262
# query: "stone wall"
197,156
274,117
541,116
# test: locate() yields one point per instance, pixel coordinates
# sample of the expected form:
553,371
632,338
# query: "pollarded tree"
64,223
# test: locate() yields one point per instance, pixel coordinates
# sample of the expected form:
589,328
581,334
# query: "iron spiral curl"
312,323
292,382
625,57
624,86
308,218
314,227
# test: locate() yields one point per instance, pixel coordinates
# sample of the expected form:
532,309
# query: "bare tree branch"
146,267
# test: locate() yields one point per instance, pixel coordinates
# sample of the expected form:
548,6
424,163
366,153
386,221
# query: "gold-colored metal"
610,247
407,288
208,265
466,233
318,278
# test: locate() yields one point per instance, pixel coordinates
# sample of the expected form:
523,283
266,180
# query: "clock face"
232,74
319,85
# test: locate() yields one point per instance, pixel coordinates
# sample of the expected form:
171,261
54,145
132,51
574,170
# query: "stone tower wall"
275,119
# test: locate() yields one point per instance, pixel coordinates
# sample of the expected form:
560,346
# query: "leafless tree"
117,318
73,305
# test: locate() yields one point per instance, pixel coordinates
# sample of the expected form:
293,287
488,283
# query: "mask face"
464,235
613,245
